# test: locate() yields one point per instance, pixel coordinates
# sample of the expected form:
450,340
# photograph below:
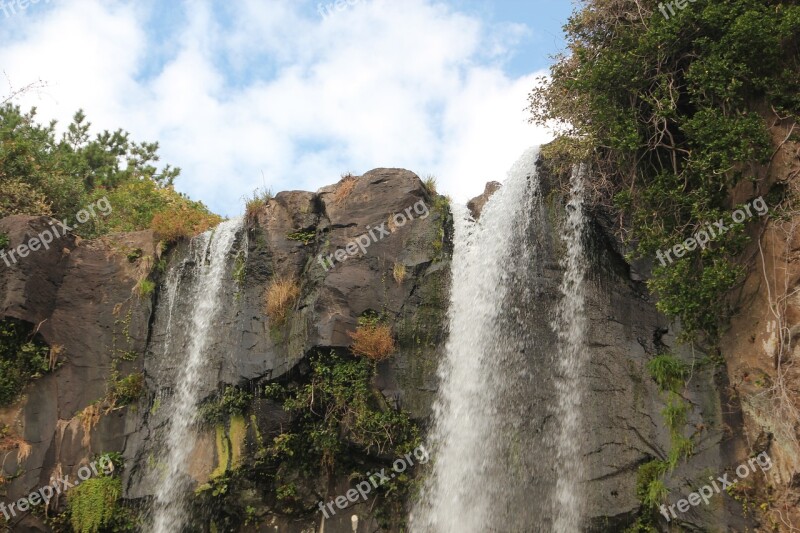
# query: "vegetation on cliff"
41,174
672,111
23,357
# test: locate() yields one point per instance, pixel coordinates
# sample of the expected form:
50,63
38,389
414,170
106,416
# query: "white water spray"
210,258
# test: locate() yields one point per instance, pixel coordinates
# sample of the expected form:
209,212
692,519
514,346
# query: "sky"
292,94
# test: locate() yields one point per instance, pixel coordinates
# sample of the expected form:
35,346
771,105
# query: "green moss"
240,269
23,357
4,242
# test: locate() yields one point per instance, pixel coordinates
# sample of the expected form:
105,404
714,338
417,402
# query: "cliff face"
82,300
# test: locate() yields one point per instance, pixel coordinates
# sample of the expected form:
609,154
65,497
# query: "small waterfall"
208,262
571,327
506,436
484,368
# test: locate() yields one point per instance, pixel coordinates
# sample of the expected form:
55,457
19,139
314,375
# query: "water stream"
506,435
208,261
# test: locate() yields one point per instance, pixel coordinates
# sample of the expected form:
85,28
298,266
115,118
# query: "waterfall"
469,485
205,269
505,439
571,327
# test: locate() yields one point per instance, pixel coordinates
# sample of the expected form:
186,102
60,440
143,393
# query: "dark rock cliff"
81,298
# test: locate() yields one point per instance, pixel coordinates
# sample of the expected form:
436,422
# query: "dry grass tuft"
399,273
430,185
345,187
280,297
373,342
56,351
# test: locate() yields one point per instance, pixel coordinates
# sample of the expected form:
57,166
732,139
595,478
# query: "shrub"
281,296
373,341
17,198
4,241
93,504
231,402
344,188
127,390
669,113
23,357
183,222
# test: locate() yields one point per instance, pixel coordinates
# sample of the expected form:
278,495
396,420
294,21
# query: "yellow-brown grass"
344,188
373,342
399,273
280,297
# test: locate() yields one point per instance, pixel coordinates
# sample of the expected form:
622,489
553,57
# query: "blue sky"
290,94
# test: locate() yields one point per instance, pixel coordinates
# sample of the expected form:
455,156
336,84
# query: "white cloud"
267,88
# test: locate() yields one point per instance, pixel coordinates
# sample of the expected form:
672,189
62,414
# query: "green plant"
256,203
668,371
651,493
240,268
335,412
127,390
304,236
145,288
23,357
232,401
4,242
94,503
669,113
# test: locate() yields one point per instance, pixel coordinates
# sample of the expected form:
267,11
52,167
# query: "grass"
145,287
256,203
399,273
344,188
430,185
669,372
280,297
373,341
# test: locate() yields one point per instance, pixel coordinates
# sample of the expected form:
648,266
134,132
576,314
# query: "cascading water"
571,328
469,485
505,410
208,261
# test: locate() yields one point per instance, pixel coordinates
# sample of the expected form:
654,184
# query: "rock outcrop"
378,243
